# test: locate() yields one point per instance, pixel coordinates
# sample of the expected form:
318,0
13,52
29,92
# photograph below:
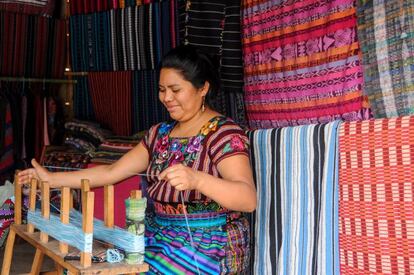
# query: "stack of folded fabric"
114,147
85,136
61,158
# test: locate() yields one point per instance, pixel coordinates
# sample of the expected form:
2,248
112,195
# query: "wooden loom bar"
32,202
87,226
64,214
76,73
37,262
18,200
39,80
45,191
84,188
109,205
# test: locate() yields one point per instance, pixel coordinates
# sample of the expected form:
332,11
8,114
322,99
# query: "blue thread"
116,236
114,256
72,233
66,233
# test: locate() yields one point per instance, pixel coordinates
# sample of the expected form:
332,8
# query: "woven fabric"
217,139
146,107
132,38
220,241
386,34
214,27
376,187
84,7
102,86
301,63
6,219
34,7
6,146
295,226
31,45
82,100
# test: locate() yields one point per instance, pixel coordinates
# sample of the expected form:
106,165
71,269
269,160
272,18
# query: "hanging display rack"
40,80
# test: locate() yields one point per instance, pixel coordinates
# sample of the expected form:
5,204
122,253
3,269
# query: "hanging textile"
146,108
133,38
111,99
84,7
35,7
214,26
6,141
31,46
39,126
296,221
376,187
301,63
82,101
231,68
386,34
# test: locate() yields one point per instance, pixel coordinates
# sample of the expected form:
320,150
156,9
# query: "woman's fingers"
25,176
170,171
37,172
36,165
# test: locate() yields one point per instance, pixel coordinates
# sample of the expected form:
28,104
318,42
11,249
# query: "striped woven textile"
35,7
6,219
214,27
301,62
83,7
31,45
133,38
386,34
113,112
146,108
232,58
376,187
296,221
82,101
6,138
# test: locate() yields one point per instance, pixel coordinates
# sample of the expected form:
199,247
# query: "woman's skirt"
204,242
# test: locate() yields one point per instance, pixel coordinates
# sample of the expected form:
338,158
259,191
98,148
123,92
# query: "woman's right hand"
37,172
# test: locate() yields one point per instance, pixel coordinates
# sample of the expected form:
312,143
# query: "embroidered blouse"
219,138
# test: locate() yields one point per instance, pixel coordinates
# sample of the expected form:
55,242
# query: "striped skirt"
219,243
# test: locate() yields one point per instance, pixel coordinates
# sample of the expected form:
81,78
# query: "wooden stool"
55,249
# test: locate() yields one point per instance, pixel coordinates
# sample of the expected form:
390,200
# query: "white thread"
189,231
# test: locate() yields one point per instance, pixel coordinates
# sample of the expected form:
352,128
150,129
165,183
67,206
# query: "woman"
200,174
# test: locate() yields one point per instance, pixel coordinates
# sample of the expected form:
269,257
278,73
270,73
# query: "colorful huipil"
220,238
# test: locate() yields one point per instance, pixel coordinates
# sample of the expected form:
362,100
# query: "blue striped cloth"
295,226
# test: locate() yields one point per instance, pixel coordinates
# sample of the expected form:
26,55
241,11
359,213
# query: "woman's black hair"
196,67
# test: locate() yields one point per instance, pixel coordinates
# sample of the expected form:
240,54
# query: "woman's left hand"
181,177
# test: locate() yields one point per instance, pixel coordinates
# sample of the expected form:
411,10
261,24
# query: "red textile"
39,129
122,191
29,7
376,187
111,99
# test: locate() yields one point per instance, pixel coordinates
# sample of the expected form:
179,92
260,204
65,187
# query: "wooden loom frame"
55,249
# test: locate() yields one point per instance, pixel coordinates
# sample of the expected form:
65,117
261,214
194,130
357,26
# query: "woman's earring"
203,107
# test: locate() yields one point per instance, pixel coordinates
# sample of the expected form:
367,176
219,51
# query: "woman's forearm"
233,195
97,176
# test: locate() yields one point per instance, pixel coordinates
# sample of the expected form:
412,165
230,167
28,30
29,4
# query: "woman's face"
182,100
